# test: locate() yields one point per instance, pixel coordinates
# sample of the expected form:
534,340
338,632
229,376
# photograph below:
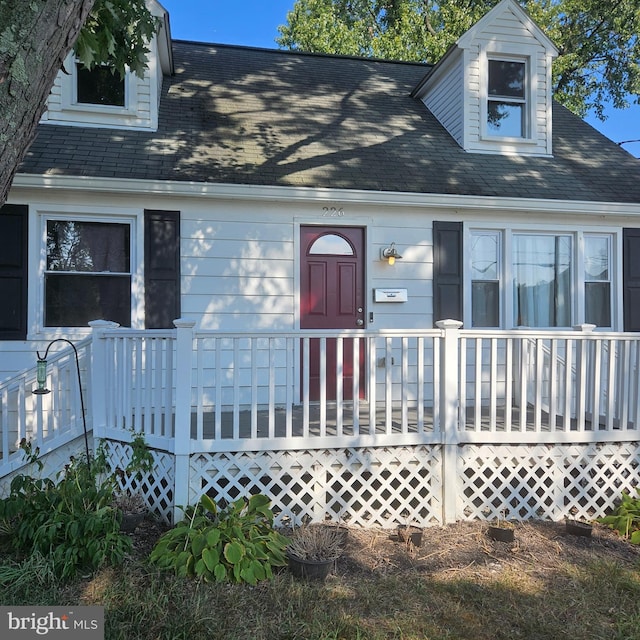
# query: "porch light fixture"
41,378
390,254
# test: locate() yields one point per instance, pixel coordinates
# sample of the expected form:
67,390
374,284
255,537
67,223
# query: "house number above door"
332,212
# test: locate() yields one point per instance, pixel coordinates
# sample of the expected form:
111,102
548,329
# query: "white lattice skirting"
364,487
545,481
156,487
386,486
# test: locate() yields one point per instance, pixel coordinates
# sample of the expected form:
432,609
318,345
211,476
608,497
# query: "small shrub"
69,520
236,544
625,519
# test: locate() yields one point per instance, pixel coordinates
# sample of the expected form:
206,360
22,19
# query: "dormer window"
100,85
507,99
492,91
103,99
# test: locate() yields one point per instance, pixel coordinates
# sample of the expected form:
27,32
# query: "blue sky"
255,23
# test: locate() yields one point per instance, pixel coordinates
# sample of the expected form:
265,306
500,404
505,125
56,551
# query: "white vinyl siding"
447,102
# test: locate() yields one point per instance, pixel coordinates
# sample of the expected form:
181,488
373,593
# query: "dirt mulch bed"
461,550
464,550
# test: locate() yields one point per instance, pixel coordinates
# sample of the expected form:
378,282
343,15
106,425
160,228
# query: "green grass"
595,599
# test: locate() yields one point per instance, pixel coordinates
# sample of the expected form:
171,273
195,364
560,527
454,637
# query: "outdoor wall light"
41,378
390,254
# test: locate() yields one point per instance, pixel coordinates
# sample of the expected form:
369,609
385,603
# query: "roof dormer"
99,98
492,90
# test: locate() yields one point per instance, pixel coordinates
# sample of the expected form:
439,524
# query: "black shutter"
447,271
13,271
631,279
161,268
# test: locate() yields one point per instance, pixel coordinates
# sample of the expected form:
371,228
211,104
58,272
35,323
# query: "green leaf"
233,552
258,570
635,537
211,558
258,500
198,544
209,504
220,572
213,537
248,575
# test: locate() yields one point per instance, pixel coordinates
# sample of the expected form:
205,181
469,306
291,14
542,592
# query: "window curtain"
542,281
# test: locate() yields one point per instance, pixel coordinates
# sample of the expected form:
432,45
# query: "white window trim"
468,302
507,232
38,249
70,96
140,112
509,53
613,282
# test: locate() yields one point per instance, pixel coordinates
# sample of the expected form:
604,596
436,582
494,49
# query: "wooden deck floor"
394,421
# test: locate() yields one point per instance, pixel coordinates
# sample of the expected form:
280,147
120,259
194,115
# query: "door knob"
359,322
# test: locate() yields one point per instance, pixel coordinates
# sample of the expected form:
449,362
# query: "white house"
256,195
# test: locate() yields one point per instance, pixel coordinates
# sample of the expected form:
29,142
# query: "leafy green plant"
69,520
236,544
141,460
626,517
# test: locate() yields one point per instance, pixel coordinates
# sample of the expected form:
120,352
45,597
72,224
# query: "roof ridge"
415,63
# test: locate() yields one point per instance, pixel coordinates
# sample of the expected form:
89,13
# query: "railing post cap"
184,323
103,324
585,327
449,324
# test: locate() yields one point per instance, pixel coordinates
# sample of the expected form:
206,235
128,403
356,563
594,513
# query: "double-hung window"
597,279
530,279
101,85
485,278
88,273
507,98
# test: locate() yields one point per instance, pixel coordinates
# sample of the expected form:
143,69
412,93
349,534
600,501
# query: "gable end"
493,90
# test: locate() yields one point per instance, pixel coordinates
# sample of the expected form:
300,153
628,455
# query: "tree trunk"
36,36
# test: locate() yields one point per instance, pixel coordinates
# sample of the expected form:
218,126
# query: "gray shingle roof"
265,117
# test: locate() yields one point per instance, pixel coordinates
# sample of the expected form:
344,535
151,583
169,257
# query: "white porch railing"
470,420
432,425
46,421
207,390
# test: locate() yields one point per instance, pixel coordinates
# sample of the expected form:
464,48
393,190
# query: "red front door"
332,297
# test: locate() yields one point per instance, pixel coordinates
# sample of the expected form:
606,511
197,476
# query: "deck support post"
182,438
449,409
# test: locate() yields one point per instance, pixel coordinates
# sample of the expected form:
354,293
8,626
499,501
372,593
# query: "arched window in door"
331,244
